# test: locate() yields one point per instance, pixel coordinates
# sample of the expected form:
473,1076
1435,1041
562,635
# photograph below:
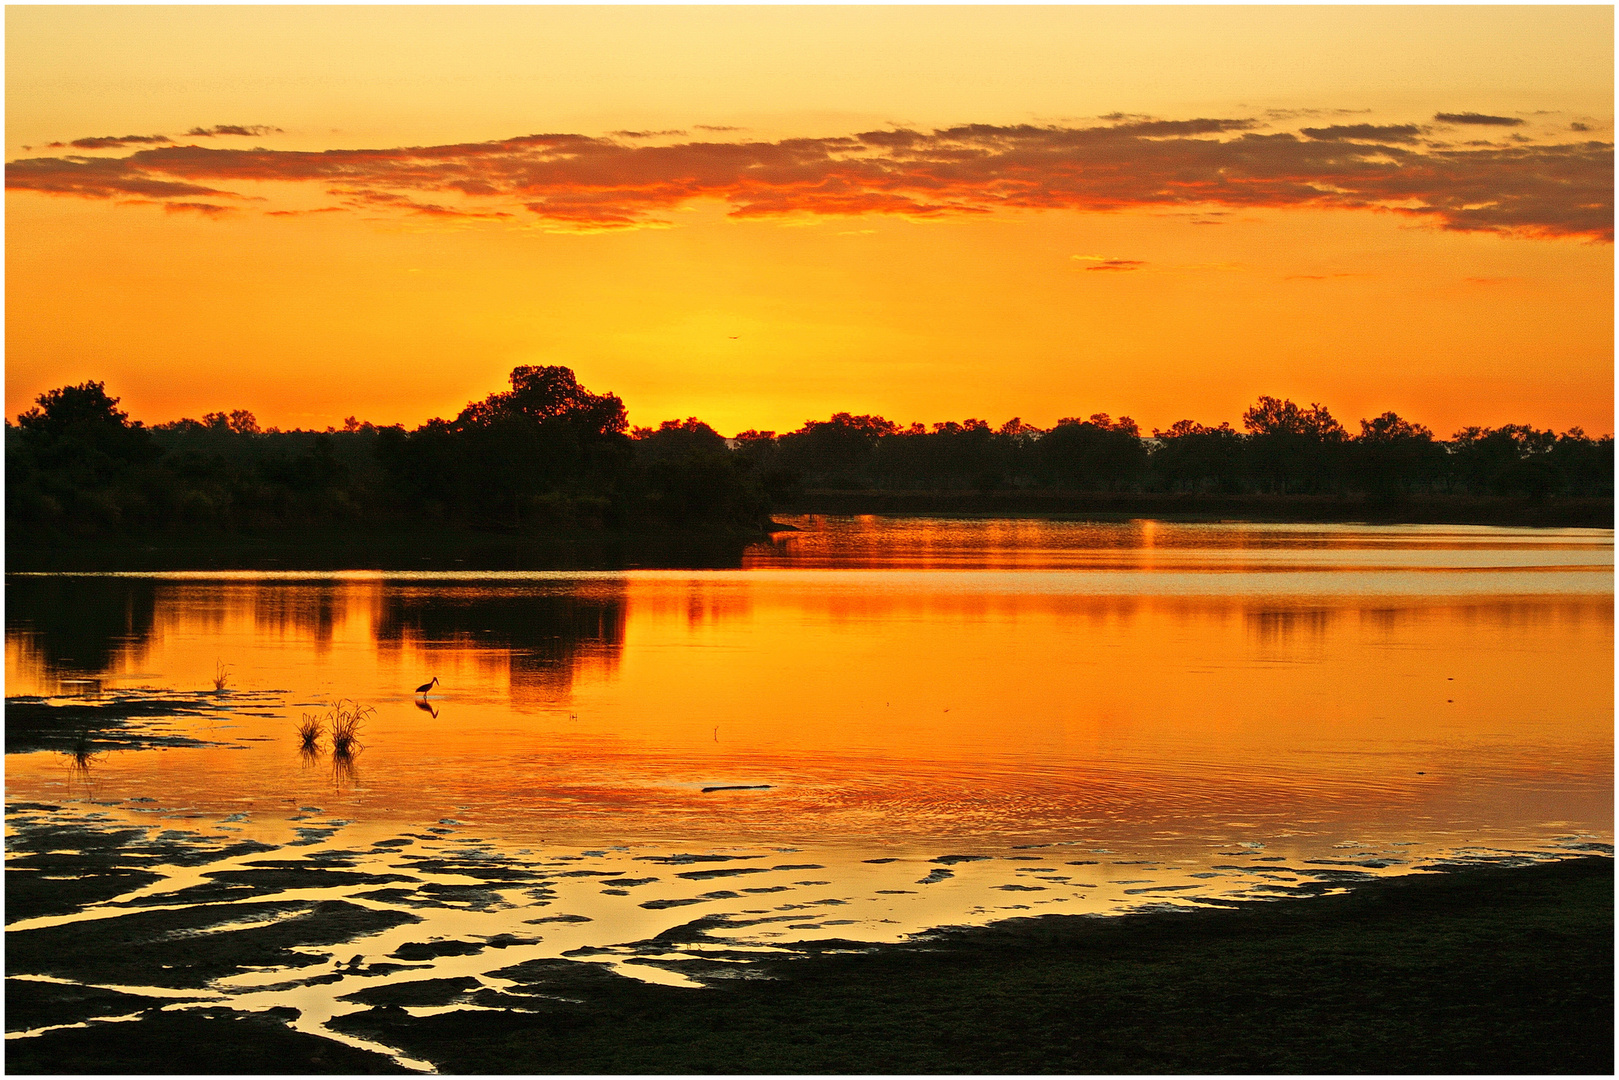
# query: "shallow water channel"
871,729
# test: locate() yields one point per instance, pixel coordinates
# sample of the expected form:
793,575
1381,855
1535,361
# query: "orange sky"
761,215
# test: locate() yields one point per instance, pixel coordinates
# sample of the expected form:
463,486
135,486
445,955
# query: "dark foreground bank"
1478,970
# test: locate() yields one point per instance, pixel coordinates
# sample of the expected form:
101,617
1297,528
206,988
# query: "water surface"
920,723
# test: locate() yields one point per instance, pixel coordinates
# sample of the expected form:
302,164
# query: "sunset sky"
760,215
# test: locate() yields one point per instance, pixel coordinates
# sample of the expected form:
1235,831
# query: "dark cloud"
249,130
1577,126
645,134
365,198
1294,114
306,213
205,209
1117,264
95,178
716,127
1196,166
1477,118
106,142
1395,133
1182,127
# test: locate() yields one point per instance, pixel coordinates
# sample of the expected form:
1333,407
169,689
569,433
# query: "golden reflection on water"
1055,683
922,724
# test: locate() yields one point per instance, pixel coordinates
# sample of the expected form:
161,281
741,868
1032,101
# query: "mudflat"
1476,969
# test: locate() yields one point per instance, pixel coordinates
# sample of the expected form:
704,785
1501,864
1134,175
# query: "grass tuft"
221,676
83,753
345,718
309,732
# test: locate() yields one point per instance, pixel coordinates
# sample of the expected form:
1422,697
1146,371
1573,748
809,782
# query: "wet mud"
128,720
423,952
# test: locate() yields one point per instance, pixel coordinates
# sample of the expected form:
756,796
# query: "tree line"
545,457
548,457
1283,449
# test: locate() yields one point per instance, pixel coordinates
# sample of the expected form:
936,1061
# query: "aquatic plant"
344,718
82,753
221,676
309,732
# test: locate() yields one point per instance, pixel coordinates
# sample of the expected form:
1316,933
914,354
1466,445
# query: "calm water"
1102,716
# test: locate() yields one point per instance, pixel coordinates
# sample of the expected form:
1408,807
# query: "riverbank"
1096,506
466,549
450,549
1478,969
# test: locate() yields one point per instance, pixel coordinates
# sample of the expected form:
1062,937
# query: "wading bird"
426,686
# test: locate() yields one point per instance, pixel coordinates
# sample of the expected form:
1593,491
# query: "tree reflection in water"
550,632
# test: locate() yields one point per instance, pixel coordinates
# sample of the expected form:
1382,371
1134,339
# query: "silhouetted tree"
689,476
533,456
1513,459
839,450
1293,449
762,453
1394,455
1193,457
1584,465
80,427
1095,454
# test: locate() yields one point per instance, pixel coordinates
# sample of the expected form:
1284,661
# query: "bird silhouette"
426,686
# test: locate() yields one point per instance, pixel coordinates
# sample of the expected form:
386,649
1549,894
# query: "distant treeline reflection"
548,635
99,626
81,625
549,458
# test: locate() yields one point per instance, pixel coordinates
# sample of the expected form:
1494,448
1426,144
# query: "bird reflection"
427,707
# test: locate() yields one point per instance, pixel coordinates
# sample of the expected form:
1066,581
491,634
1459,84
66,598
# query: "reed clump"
83,752
221,676
310,729
344,719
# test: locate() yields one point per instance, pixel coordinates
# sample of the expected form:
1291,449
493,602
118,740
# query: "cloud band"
1563,190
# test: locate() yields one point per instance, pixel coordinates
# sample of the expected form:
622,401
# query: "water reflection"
545,635
345,770
1033,703
74,630
72,635
868,542
992,719
1287,629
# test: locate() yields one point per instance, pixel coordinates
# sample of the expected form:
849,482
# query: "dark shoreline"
465,549
449,550
1098,506
1478,969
